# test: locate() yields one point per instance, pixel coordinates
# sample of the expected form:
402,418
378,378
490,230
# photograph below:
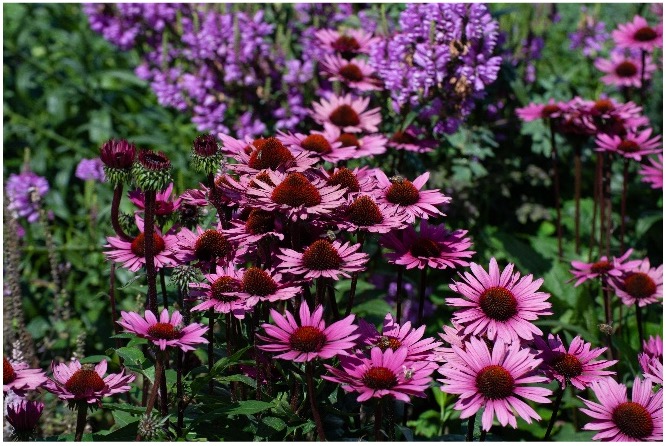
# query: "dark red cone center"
8,373
84,382
424,247
494,382
344,116
567,365
549,110
258,282
321,255
212,245
316,143
633,420
402,192
345,178
296,191
645,34
401,137
364,212
270,155
639,285
349,140
498,303
222,286
260,222
351,72
628,146
380,378
139,245
601,267
347,46
307,339
626,69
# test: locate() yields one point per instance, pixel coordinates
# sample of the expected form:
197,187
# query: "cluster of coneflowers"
286,218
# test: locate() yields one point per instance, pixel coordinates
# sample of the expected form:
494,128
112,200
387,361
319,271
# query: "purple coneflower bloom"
309,339
222,293
23,416
575,365
258,226
623,71
641,285
407,140
654,346
84,383
266,285
394,336
362,213
652,367
408,196
324,146
385,373
324,259
453,336
347,113
653,173
19,377
533,111
639,35
500,305
164,204
132,254
19,189
618,419
432,246
256,155
348,44
353,181
357,74
602,268
494,381
165,332
90,169
365,146
208,247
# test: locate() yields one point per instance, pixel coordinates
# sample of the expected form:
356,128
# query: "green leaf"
248,407
131,354
94,359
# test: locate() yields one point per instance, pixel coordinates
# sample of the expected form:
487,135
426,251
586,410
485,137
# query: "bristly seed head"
351,72
154,161
118,154
628,146
567,365
424,247
164,330
316,143
403,193
645,34
212,245
139,245
8,373
296,190
260,222
494,382
321,255
349,140
380,378
601,267
639,285
633,420
626,69
345,178
364,212
604,106
270,155
498,303
307,339
84,382
347,46
221,288
205,145
258,282
344,116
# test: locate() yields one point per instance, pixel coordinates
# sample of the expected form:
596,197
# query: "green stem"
556,407
313,401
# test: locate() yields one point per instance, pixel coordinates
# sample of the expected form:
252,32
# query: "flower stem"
156,385
112,298
639,323
81,419
330,292
553,417
422,289
556,185
313,401
389,405
642,89
577,187
115,213
398,296
378,421
608,315
623,204
470,428
597,170
608,204
148,231
354,280
211,346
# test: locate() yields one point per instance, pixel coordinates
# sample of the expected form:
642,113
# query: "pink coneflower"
653,173
575,365
407,140
642,285
357,74
362,213
19,377
132,254
266,153
394,336
624,71
167,332
164,205
494,381
453,336
602,268
322,145
77,383
353,181
618,419
652,368
23,416
654,347
296,196
365,146
208,247
195,197
222,293
266,285
499,305
408,196
385,373
347,113
258,226
639,35
324,259
533,111
347,44
311,338
611,117
633,145
432,246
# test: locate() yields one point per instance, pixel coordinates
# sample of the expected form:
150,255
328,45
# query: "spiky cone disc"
152,171
183,275
206,154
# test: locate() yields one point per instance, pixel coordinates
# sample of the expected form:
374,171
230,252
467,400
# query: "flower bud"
206,155
152,171
118,158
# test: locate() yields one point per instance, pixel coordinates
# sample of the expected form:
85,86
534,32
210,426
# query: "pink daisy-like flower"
407,140
533,111
322,145
618,419
385,373
633,145
346,113
353,181
266,285
84,383
452,336
265,153
23,416
164,205
357,74
207,247
324,259
394,336
652,367
195,197
639,35
167,332
311,338
653,173
605,115
222,293
365,146
432,246
132,254
258,226
624,71
19,377
495,382
296,196
575,365
499,305
362,213
602,268
408,196
642,285
347,44
654,347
